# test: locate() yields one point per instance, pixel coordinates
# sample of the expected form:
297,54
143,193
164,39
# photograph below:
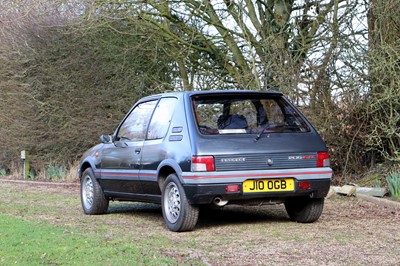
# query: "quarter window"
162,118
135,125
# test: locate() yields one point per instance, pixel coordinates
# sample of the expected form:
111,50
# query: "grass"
31,243
57,240
45,225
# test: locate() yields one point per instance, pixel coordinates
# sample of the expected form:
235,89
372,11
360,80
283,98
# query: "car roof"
213,93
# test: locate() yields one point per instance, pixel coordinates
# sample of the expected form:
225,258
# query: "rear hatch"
271,151
254,131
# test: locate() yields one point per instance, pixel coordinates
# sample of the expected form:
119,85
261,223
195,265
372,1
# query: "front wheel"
304,210
178,214
92,196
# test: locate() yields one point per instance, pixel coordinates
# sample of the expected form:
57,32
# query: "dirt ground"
350,231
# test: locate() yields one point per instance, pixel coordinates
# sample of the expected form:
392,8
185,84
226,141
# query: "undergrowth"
53,172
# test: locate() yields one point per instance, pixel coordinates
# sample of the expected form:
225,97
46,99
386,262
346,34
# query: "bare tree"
384,97
255,44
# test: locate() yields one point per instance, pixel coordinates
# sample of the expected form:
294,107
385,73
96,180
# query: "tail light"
203,164
323,159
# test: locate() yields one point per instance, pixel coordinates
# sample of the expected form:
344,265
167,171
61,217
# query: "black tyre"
304,210
178,214
92,196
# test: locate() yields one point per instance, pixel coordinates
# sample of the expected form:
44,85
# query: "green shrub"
31,175
393,180
55,172
3,172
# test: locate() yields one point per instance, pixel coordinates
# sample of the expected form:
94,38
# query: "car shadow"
236,214
145,211
209,216
133,207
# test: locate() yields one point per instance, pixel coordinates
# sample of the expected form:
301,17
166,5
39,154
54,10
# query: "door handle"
137,150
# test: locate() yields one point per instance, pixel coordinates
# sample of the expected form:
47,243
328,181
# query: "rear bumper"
206,193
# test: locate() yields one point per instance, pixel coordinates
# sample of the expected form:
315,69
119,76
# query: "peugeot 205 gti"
187,149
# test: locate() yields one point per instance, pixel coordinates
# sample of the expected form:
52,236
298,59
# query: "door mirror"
106,139
121,144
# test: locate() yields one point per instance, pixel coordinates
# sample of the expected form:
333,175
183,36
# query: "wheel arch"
85,165
166,168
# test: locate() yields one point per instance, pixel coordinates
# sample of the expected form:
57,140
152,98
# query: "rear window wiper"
282,127
265,127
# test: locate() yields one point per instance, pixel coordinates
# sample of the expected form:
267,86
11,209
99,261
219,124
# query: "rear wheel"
304,210
92,196
178,214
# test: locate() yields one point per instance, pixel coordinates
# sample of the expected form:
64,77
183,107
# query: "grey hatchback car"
187,149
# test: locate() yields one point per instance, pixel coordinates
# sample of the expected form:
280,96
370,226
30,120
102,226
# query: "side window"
135,125
161,119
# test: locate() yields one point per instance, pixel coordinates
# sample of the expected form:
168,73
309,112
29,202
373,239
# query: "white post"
23,157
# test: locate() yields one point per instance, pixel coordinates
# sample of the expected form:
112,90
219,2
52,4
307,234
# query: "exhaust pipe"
218,201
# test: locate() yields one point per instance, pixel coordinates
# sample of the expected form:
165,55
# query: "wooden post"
25,158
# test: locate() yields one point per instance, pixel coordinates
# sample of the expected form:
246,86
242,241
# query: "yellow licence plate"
268,185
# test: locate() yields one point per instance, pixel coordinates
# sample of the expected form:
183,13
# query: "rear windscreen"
246,115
